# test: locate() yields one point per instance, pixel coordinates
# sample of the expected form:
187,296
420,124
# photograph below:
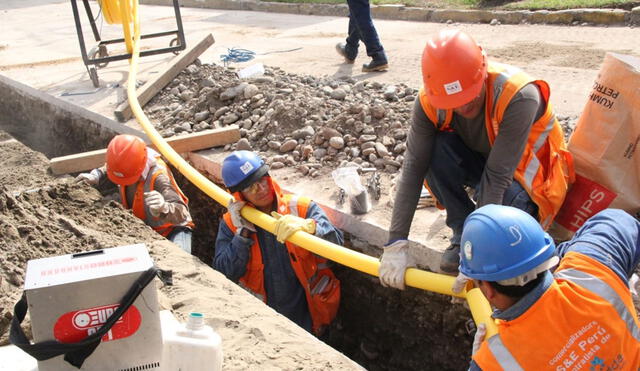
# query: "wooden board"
186,143
153,86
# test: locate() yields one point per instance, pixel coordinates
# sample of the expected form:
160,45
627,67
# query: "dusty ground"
566,56
65,217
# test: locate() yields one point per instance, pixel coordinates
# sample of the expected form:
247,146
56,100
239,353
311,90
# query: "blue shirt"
611,237
284,292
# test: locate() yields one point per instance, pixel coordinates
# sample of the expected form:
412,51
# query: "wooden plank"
152,87
185,143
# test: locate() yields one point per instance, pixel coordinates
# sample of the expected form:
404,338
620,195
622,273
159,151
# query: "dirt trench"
379,328
40,216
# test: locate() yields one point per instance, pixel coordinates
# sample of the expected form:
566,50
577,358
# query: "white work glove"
460,283
286,225
156,203
478,338
89,178
393,263
457,287
238,221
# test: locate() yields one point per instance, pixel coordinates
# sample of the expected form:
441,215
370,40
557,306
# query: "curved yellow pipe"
439,283
125,12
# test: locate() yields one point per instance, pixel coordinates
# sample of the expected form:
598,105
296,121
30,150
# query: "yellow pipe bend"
439,283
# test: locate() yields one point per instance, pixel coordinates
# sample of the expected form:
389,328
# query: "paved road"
40,48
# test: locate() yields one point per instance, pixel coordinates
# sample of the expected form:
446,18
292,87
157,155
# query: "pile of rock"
308,122
292,120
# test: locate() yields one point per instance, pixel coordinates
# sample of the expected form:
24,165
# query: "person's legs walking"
349,49
181,236
360,16
453,166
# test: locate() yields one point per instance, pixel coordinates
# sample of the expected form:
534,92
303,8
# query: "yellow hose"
111,11
439,283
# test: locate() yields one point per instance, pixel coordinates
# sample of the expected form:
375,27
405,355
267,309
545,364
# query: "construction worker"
147,186
295,282
477,126
580,317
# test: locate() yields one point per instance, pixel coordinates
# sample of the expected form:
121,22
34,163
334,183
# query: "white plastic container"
193,346
254,70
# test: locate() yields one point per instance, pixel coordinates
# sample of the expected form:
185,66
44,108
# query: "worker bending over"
481,125
147,186
581,317
295,282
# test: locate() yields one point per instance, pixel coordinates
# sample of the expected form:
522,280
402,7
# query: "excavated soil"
42,216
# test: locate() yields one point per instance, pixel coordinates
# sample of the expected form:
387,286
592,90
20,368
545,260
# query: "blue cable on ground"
237,55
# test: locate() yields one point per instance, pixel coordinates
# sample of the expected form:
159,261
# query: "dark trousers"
453,166
361,28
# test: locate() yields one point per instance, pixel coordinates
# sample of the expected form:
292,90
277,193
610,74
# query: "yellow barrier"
439,283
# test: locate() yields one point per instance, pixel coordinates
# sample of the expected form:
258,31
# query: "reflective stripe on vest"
534,165
602,289
502,354
499,82
293,206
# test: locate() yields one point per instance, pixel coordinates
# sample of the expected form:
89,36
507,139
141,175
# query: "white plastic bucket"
189,347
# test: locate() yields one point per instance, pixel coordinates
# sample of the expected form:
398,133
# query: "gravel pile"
303,121
292,120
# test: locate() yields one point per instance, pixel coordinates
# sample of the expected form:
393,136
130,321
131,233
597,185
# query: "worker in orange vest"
295,282
580,317
147,187
481,127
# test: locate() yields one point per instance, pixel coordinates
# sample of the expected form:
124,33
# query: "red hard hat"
126,159
454,69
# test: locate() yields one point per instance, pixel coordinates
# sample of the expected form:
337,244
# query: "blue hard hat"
241,169
501,242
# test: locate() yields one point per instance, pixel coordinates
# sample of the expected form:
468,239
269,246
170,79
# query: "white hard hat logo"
467,250
246,168
453,87
517,235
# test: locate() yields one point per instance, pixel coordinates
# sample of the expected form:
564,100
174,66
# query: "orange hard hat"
454,69
126,159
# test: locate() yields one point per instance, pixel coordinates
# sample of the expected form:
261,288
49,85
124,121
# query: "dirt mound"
42,216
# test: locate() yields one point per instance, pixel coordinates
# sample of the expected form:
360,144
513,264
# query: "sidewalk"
575,17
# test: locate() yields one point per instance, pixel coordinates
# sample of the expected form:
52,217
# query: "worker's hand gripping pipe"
439,283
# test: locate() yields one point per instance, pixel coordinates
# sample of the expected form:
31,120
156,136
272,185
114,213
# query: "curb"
600,17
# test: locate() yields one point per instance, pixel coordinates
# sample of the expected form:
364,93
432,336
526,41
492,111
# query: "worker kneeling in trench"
290,279
580,316
147,186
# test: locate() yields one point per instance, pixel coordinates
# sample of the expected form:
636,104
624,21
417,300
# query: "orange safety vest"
321,286
585,321
140,209
546,169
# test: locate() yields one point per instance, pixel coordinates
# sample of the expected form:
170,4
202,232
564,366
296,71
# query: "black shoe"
380,64
450,260
341,48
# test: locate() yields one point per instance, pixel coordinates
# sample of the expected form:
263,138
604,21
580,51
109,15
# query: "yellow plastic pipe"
439,283
125,14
